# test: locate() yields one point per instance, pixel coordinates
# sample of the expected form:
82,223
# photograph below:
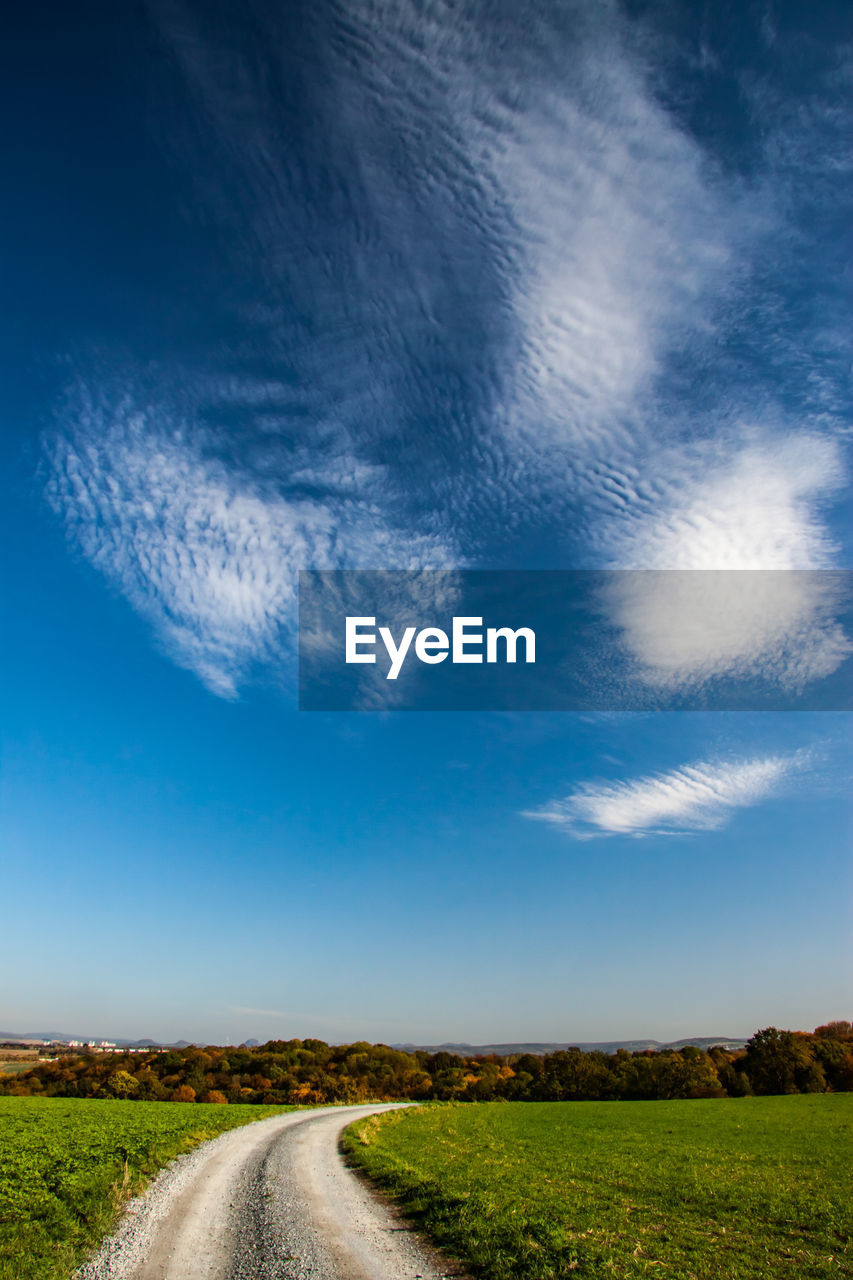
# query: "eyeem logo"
433,645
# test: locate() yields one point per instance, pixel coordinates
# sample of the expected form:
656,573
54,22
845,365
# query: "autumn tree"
121,1084
183,1093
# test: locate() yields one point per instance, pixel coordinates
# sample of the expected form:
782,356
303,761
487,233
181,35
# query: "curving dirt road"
270,1201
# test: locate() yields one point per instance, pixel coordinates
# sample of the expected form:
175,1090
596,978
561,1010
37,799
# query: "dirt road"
270,1201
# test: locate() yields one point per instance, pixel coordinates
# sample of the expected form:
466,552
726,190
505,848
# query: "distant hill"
537,1047
64,1038
38,1035
588,1046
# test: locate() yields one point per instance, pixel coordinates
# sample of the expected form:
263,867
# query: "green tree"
777,1061
121,1084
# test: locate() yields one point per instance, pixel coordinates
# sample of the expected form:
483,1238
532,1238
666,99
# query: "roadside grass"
67,1165
716,1189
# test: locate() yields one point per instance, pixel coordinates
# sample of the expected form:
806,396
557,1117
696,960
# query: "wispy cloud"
735,503
208,553
475,266
607,238
529,233
758,509
697,797
621,239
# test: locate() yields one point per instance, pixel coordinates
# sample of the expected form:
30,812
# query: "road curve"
272,1200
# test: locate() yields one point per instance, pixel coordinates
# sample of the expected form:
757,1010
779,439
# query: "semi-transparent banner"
609,640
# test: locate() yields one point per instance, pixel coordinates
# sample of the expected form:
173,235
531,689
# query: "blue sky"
389,286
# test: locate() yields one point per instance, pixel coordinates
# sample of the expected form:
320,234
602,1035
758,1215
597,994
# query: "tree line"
313,1072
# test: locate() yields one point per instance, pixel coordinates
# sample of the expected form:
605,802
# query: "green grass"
728,1189
68,1164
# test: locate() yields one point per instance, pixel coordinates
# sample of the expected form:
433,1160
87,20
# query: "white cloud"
604,222
208,554
698,797
532,169
620,238
733,505
527,162
757,509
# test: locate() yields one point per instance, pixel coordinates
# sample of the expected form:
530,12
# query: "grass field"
728,1189
67,1164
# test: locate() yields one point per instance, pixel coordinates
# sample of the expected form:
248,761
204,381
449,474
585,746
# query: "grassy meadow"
716,1189
67,1165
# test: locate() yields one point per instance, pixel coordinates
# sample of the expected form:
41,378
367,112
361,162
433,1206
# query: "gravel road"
273,1200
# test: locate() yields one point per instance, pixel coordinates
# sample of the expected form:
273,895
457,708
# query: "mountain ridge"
537,1047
